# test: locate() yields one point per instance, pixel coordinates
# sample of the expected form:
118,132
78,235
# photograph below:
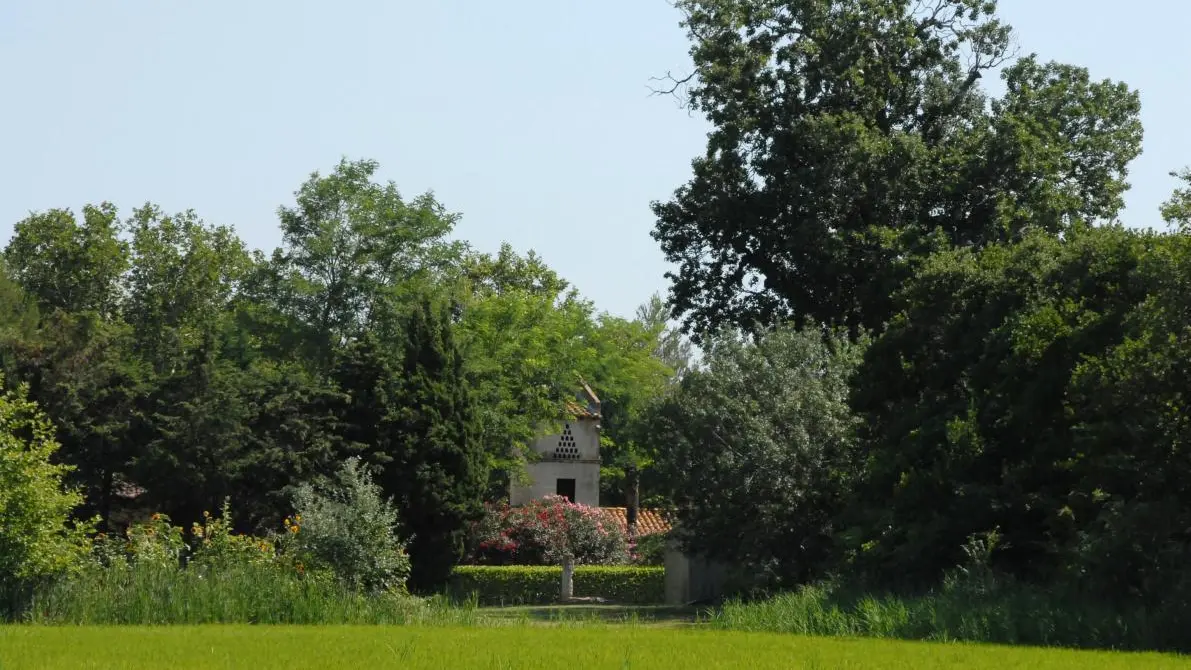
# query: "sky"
532,119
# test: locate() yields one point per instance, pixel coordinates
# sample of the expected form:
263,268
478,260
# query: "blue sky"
531,118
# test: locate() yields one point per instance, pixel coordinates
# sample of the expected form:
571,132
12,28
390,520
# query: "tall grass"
152,594
1008,613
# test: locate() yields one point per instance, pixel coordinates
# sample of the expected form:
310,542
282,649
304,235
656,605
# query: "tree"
412,412
349,241
36,539
19,318
626,374
851,140
760,450
349,526
247,429
523,333
80,369
966,404
1130,462
183,279
69,266
674,350
1177,210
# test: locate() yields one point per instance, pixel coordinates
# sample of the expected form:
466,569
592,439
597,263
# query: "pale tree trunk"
632,499
567,590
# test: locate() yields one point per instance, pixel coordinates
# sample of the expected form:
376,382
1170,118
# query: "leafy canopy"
850,139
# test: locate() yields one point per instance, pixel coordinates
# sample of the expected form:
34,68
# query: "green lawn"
589,646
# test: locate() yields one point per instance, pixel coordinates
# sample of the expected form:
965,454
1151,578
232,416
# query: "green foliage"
350,244
529,340
979,409
1012,613
412,413
522,333
252,433
650,549
146,594
182,282
80,369
349,527
530,585
1177,210
760,450
850,139
338,561
36,540
215,547
627,374
547,531
70,266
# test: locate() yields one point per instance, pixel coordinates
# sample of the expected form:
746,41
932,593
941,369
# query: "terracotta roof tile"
579,411
649,521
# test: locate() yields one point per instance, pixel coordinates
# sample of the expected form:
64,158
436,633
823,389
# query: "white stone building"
568,463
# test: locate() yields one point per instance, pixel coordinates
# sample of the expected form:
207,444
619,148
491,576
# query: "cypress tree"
415,417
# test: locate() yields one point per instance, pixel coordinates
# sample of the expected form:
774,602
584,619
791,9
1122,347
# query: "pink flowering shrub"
546,532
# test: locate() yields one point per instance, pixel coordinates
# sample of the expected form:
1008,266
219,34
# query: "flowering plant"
156,541
547,531
216,546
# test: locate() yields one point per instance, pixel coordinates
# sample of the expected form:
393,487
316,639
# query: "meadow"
579,647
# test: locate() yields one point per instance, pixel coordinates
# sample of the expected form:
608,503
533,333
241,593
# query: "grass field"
579,647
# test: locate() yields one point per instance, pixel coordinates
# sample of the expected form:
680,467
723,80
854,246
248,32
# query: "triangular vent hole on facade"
566,449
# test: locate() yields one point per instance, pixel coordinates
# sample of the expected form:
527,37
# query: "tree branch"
672,85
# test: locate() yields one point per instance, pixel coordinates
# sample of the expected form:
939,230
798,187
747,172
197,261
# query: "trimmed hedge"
539,584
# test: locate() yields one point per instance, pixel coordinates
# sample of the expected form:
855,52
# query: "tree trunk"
567,590
632,482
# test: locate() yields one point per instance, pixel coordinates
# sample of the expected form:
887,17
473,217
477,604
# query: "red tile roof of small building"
579,411
649,521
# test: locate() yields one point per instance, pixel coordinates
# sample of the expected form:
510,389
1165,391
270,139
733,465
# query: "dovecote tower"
569,462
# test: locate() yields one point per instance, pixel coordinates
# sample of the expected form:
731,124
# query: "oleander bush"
544,532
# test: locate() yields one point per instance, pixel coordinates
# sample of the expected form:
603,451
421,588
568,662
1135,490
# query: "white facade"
568,461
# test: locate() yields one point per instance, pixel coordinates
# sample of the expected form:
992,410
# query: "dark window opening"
566,489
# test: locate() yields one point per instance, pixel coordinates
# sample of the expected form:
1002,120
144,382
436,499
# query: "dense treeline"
990,368
928,343
180,369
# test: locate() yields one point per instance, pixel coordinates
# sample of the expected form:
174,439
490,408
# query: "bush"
539,585
150,594
545,532
351,529
969,610
215,547
151,575
650,549
35,539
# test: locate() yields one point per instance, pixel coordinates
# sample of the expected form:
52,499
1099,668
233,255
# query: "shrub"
151,575
215,547
650,549
545,532
35,539
149,594
351,529
539,585
970,608
155,542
